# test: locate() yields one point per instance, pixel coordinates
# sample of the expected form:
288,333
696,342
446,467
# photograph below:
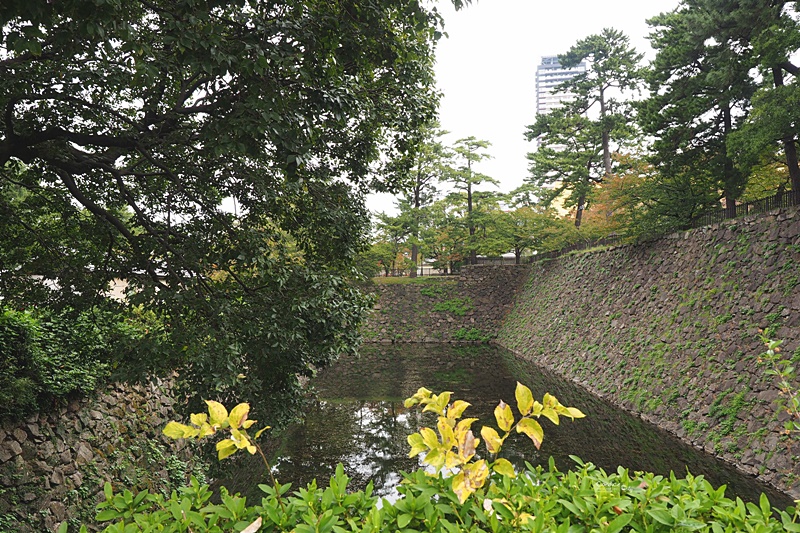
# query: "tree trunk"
606,138
789,147
473,255
729,171
579,211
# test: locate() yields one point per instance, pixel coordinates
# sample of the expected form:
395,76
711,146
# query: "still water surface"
358,419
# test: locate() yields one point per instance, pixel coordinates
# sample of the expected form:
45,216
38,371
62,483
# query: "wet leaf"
217,413
492,439
504,468
504,416
524,399
532,429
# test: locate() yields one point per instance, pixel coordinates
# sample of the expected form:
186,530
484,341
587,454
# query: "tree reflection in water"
358,419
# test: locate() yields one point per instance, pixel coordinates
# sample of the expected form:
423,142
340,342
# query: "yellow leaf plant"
217,420
454,447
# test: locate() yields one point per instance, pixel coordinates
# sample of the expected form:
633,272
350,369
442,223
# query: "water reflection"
359,420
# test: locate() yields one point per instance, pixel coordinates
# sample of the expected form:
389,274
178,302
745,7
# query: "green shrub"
46,356
19,377
584,499
457,306
463,493
471,335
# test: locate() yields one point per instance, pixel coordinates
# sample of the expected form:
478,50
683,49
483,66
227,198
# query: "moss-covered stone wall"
53,465
467,308
670,330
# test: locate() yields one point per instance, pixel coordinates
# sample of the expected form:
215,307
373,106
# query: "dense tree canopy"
214,154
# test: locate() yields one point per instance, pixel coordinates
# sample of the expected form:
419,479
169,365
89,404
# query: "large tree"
569,161
700,92
613,71
770,32
425,165
468,152
129,125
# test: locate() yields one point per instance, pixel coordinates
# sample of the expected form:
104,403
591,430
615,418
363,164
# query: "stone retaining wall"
467,308
670,330
53,466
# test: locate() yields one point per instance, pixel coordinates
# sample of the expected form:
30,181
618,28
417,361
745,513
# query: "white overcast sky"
486,68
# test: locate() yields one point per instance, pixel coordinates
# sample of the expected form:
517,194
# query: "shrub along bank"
50,356
483,494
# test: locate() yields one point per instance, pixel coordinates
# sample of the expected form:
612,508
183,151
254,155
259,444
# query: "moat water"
357,418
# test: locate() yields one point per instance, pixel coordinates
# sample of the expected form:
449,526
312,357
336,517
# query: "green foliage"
470,335
216,156
785,373
433,290
456,306
481,495
53,355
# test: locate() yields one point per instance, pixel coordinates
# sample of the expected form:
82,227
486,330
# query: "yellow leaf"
429,438
448,437
504,468
470,479
551,414
492,439
416,443
251,449
199,419
460,487
575,413
205,430
421,394
467,445
438,403
537,408
239,438
225,448
524,399
549,400
174,430
247,423
452,460
524,518
260,431
504,416
532,429
464,425
435,458
238,415
457,409
217,413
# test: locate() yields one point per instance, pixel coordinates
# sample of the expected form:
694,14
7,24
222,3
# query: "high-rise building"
549,75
